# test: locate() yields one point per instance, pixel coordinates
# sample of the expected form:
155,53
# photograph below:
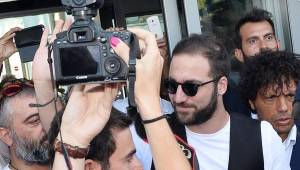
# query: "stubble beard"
202,115
30,151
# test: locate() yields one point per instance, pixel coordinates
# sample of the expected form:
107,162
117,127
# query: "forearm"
165,149
60,163
45,93
69,141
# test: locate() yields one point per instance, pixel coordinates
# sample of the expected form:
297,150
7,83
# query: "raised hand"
7,46
149,69
87,112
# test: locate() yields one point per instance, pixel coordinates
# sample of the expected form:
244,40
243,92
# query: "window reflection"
13,65
220,16
140,21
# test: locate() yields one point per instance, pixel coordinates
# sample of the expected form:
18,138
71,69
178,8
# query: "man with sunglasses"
269,83
20,126
197,82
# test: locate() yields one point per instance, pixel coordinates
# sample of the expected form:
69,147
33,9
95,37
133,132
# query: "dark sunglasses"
189,88
14,86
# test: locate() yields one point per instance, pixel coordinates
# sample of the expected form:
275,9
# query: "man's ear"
251,104
5,136
222,85
238,53
90,164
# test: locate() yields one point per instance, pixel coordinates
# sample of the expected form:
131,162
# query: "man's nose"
180,96
282,104
263,44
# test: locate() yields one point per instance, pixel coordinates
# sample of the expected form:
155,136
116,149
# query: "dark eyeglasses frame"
189,88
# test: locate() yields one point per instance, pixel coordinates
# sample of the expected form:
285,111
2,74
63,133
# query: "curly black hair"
276,68
266,69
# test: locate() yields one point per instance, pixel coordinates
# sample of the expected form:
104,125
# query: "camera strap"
134,53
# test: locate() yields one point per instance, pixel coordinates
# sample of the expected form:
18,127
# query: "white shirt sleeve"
273,149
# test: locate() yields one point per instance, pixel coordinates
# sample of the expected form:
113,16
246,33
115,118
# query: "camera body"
83,53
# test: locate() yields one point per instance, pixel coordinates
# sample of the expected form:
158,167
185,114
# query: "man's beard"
204,114
31,151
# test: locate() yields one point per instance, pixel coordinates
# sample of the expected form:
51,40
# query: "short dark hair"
266,69
103,145
209,47
255,15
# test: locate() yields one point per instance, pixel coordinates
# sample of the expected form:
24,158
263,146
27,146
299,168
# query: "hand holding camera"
7,46
83,53
87,112
148,73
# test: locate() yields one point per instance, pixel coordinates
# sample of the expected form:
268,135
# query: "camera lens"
112,65
79,2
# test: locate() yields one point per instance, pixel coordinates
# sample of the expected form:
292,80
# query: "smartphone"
27,41
155,27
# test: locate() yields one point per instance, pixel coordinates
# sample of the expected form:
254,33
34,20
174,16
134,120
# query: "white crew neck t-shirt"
212,150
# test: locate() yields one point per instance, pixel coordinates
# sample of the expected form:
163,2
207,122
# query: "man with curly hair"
268,83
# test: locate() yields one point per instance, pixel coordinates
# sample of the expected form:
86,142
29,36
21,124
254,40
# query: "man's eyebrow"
270,33
289,93
130,154
31,116
252,37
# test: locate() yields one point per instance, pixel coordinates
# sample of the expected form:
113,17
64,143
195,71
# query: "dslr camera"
83,53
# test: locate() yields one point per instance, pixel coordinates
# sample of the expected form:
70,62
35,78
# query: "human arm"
84,117
166,153
41,76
